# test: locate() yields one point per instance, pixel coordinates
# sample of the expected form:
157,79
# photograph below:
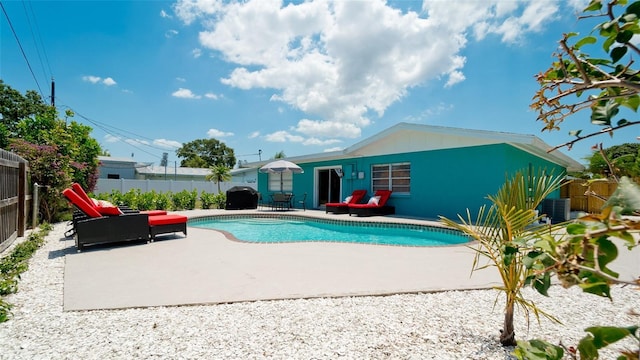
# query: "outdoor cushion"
109,210
348,199
158,220
76,200
80,191
154,212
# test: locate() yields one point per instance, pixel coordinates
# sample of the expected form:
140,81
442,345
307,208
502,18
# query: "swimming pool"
290,228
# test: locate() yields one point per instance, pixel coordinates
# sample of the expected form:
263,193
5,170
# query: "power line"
24,55
40,42
33,36
121,134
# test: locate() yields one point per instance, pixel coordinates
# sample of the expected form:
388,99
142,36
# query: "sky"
299,77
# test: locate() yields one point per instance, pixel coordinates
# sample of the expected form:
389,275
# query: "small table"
282,201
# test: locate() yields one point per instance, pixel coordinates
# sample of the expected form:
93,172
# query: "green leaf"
538,349
587,350
617,53
542,284
632,102
575,133
606,335
594,5
576,229
544,245
584,41
634,9
624,36
599,288
608,252
606,45
627,196
603,111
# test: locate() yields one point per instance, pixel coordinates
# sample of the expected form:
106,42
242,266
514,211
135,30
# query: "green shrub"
208,200
220,200
185,200
163,201
147,201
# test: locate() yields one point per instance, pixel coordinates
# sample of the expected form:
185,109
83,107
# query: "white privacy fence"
162,186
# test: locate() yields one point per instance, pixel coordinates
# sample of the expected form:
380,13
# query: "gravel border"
445,325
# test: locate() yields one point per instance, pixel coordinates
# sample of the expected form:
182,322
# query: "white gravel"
446,325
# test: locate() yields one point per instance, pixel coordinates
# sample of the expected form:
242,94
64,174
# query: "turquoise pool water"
291,229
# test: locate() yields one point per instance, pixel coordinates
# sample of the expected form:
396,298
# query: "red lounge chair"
97,203
113,227
343,207
375,206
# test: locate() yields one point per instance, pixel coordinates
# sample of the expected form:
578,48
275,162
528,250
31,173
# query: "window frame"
389,179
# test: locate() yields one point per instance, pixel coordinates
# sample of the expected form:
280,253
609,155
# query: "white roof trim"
528,143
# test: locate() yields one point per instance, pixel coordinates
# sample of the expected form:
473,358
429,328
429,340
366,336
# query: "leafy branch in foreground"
581,257
606,83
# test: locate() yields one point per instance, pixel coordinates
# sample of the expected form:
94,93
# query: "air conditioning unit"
557,209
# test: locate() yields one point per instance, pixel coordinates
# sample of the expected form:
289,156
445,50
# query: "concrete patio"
207,268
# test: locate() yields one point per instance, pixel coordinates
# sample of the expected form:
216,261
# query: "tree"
219,173
53,146
15,107
624,158
202,153
503,233
280,155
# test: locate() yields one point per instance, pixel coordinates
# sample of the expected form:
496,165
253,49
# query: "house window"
113,176
394,177
275,181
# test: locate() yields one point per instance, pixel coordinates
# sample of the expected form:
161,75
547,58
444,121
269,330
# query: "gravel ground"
446,325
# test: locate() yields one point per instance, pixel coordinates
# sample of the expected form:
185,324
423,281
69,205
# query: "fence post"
35,206
22,198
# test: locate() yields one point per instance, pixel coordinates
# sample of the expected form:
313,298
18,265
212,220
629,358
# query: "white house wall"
412,141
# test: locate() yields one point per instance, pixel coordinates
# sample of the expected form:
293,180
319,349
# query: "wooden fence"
576,189
14,197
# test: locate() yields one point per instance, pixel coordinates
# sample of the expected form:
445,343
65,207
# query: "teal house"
432,170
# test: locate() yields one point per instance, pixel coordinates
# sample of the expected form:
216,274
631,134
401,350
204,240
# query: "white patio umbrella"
281,167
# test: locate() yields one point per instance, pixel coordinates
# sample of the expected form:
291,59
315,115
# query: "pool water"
281,230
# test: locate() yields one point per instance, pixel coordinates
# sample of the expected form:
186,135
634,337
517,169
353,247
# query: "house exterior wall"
122,170
443,182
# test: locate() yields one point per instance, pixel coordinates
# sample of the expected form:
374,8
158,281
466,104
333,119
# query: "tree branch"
569,144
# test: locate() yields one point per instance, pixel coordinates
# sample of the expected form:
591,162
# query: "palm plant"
218,174
503,235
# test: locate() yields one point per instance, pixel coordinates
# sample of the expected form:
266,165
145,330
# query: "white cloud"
327,128
215,133
170,33
343,62
185,94
316,141
111,138
254,135
181,79
92,79
165,15
211,96
196,53
333,149
109,81
167,144
283,136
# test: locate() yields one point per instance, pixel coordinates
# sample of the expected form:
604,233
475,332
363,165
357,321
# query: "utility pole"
53,92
